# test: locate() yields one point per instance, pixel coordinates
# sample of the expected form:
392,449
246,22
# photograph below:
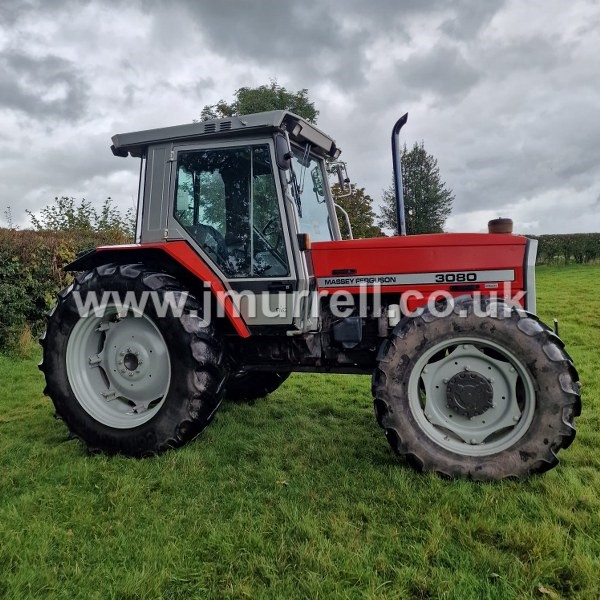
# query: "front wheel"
481,397
130,365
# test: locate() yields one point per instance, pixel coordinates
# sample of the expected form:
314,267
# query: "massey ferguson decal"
419,278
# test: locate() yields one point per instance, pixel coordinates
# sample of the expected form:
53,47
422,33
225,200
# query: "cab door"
228,204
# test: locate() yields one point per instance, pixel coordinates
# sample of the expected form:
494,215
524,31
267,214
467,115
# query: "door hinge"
166,233
172,156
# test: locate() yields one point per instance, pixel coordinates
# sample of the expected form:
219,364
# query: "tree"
427,200
359,207
262,98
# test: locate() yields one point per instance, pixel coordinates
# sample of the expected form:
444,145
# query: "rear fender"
172,257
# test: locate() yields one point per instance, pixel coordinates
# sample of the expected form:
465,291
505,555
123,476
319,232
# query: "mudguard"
178,252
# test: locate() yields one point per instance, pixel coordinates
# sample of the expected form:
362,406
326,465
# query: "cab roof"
299,130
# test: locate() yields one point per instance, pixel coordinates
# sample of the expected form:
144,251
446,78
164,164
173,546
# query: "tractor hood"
461,261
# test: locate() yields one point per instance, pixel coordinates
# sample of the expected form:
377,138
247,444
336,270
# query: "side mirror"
343,178
283,154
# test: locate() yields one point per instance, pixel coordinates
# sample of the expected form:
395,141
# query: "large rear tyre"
129,376
479,397
245,386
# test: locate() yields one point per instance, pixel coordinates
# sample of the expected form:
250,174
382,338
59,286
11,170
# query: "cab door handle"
280,286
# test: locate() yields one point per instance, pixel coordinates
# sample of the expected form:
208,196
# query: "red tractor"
239,276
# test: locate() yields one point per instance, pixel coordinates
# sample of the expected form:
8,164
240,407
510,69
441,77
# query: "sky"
505,94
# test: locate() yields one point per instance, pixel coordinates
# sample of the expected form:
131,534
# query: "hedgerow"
31,275
568,248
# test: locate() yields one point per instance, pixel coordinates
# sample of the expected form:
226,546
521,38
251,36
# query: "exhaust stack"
400,217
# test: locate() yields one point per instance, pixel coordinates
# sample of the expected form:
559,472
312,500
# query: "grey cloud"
313,39
524,53
12,10
470,18
269,30
26,80
304,39
525,160
465,20
194,88
444,71
68,169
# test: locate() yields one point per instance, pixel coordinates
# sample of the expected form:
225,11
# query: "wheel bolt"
140,362
473,441
512,369
425,370
121,353
516,418
136,353
467,368
493,405
130,374
123,371
446,380
121,362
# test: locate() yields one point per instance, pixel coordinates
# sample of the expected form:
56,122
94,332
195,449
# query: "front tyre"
480,397
129,363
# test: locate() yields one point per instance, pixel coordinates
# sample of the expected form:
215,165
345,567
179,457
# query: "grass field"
297,496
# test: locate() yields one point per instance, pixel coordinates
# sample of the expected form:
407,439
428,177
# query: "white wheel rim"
500,426
118,367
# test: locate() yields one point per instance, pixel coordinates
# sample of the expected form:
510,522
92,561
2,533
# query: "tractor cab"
246,193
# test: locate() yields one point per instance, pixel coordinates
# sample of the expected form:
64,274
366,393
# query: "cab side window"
226,200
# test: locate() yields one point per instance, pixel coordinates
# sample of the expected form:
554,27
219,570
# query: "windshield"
314,218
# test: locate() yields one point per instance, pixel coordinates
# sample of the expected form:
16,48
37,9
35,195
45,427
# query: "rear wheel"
129,376
482,397
251,385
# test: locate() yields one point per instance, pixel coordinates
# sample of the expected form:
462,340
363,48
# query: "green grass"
297,496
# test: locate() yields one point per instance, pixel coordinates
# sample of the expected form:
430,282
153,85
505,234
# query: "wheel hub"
130,361
469,394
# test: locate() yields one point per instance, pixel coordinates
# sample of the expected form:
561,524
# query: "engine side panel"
455,263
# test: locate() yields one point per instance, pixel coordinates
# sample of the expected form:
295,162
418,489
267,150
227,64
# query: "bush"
31,275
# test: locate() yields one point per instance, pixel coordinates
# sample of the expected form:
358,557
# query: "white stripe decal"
443,278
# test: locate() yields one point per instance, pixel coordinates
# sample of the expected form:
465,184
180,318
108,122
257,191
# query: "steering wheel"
210,239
